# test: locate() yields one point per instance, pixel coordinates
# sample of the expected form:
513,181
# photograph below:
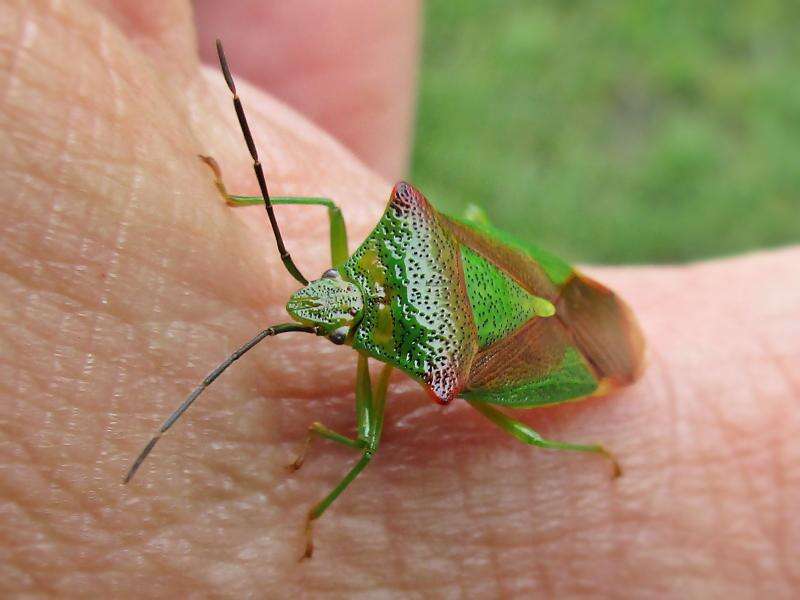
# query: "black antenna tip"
223,63
140,459
129,475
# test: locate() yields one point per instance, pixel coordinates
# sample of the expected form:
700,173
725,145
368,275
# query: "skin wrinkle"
50,530
471,515
783,513
763,514
63,486
399,565
657,368
778,468
711,539
48,234
27,31
538,582
69,146
30,332
723,523
544,582
616,554
760,511
107,309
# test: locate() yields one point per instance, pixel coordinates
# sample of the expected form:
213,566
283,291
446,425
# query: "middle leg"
525,434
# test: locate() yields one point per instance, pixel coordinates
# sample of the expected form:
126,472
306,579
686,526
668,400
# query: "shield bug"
464,309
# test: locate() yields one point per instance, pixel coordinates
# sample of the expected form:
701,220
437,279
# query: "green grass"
620,131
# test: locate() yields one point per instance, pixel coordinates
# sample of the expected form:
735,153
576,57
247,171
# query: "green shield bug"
461,307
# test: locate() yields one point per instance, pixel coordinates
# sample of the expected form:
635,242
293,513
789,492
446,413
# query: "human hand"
125,279
350,67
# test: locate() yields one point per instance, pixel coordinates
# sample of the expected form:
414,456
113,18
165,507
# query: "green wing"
536,365
591,344
468,310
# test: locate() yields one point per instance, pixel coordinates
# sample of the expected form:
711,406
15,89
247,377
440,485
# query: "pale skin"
126,279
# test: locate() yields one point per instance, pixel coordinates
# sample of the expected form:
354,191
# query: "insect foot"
294,466
309,550
616,469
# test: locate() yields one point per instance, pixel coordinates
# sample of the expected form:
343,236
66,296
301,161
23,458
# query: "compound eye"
338,336
330,274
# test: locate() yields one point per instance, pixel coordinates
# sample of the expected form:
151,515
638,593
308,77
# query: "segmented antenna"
274,330
251,146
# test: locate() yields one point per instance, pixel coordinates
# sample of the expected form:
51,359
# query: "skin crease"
125,280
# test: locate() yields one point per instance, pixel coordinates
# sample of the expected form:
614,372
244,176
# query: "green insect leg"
370,409
338,230
525,434
365,415
364,399
318,429
379,402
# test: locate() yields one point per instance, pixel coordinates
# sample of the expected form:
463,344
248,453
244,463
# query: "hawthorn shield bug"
463,308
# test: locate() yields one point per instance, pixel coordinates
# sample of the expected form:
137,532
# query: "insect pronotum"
463,308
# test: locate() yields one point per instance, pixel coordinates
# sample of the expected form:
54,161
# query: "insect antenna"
274,330
262,184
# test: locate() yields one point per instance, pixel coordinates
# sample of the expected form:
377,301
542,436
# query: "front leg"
370,409
365,415
338,230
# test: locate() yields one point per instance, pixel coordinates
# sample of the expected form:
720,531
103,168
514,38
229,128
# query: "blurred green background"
621,131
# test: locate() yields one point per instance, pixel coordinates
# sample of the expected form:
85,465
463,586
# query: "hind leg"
525,434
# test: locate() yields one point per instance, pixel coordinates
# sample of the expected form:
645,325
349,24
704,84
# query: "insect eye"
330,274
338,336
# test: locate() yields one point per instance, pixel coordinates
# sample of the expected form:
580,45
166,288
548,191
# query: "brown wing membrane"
532,352
590,320
604,329
536,365
592,344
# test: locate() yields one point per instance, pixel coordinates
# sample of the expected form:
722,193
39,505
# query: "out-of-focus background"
618,131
